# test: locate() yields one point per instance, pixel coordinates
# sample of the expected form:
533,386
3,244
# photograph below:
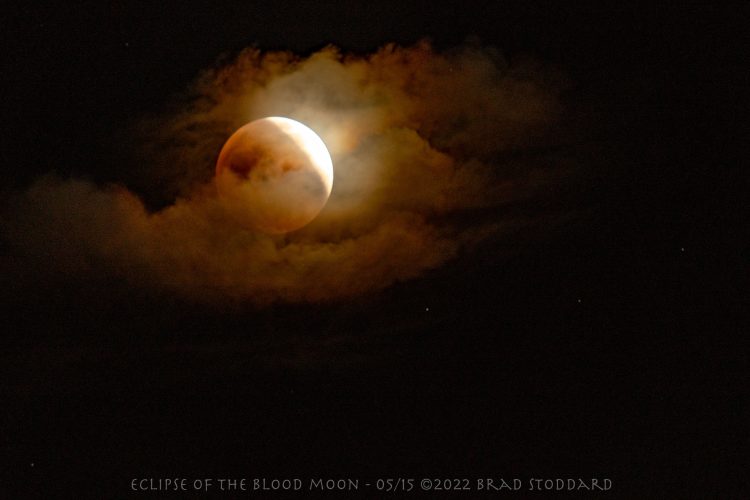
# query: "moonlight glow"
274,174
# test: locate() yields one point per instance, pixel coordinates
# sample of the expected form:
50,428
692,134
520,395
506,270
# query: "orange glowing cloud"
419,141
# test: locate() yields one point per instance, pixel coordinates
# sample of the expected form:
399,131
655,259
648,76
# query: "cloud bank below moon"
420,140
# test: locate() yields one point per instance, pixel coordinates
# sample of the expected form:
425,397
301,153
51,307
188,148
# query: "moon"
274,175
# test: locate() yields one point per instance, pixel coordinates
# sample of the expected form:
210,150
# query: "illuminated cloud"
416,139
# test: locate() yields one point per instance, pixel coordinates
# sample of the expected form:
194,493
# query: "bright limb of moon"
274,174
312,144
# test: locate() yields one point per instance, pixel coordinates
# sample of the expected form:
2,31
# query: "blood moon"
274,175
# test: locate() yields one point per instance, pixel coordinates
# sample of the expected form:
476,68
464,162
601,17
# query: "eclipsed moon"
274,174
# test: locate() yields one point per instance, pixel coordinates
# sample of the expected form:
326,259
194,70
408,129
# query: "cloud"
418,139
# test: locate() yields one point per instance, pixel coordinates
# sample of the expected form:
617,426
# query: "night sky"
600,334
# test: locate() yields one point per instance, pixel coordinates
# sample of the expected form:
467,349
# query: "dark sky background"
610,346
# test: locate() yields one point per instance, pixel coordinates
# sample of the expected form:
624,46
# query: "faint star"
427,309
682,249
579,301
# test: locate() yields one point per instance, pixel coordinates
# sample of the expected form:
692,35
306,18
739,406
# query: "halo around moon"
274,175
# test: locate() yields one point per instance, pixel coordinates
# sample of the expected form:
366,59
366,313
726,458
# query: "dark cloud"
416,138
